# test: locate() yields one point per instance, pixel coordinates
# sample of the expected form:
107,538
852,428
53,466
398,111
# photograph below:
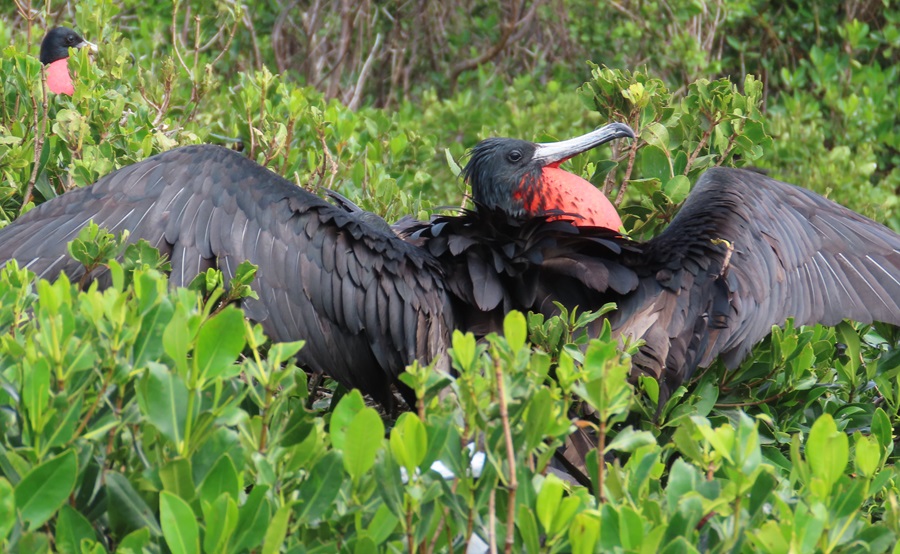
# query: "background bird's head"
56,44
523,178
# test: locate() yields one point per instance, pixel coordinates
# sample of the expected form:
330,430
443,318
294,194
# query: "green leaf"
606,388
221,519
71,529
344,413
867,455
747,453
281,351
849,499
721,438
45,488
277,530
464,350
768,537
548,500
253,520
515,329
528,529
148,345
163,399
7,508
849,337
222,479
365,545
877,539
179,526
563,516
684,440
631,528
538,417
69,414
451,163
126,508
409,441
177,478
882,429
219,342
135,542
629,440
364,438
827,450
240,283
36,392
382,525
33,542
657,135
655,164
683,479
602,169
321,487
677,188
177,338
299,426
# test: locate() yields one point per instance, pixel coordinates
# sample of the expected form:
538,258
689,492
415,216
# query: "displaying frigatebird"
55,55
366,302
744,253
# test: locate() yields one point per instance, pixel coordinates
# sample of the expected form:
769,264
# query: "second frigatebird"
55,56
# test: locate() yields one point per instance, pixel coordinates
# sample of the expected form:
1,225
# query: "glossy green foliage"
185,447
828,73
679,136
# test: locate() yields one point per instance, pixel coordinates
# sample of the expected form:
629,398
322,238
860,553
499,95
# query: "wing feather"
795,254
330,278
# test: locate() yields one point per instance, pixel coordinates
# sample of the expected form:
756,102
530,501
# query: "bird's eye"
70,40
514,156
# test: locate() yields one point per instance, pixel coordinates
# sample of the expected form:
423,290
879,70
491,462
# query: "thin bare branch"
39,133
176,41
509,28
361,81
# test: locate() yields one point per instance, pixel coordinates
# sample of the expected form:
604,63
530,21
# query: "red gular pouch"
58,79
568,193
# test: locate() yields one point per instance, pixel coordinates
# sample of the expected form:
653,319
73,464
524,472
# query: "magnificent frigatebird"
744,253
55,55
366,302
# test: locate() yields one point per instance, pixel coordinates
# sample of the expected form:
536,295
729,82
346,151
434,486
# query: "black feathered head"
56,44
523,178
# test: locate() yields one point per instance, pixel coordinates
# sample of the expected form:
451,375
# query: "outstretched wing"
745,253
366,302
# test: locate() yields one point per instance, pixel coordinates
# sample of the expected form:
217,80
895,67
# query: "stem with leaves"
410,534
510,457
632,153
90,413
703,142
492,520
601,447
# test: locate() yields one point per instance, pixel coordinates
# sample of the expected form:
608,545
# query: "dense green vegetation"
143,418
